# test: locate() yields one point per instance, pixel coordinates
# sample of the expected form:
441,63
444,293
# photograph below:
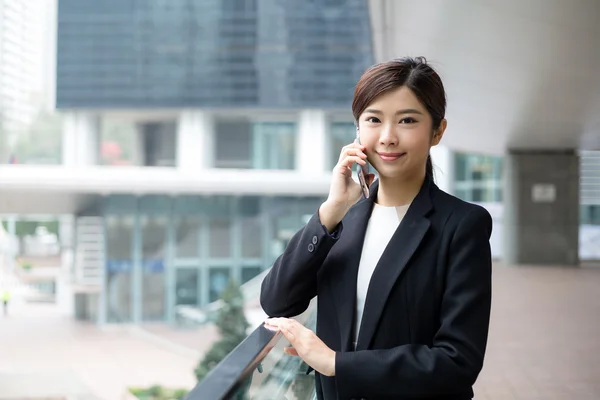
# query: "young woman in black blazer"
403,310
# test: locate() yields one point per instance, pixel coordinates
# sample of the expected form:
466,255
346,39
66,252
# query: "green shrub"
158,393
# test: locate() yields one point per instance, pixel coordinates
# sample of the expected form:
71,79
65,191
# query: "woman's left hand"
305,344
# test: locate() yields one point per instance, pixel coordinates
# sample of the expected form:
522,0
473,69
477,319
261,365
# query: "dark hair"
415,74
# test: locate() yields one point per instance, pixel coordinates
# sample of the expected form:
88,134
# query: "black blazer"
425,323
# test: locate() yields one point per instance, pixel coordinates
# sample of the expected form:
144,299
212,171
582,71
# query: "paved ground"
544,344
56,354
545,335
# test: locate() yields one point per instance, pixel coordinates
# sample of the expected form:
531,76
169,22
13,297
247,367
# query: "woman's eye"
373,119
408,120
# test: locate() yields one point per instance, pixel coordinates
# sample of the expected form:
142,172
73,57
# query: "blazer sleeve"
452,364
291,284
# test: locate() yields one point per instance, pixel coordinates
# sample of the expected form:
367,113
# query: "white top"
383,223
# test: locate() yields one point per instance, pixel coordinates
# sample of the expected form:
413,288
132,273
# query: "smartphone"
363,171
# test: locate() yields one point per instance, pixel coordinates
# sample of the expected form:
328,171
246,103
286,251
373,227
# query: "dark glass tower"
211,53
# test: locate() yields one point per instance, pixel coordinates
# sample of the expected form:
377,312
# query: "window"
252,226
233,144
154,240
119,265
130,143
186,286
118,143
590,214
274,145
159,140
260,145
341,134
218,281
187,241
249,272
478,178
220,238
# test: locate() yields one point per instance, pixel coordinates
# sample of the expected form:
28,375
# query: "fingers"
279,324
290,351
290,328
353,149
349,160
273,324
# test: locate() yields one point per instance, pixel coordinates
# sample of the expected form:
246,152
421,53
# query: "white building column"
194,140
81,139
64,286
443,167
312,142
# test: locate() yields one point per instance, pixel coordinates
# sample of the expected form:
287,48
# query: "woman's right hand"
344,192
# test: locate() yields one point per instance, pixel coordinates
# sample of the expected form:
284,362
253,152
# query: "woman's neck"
395,192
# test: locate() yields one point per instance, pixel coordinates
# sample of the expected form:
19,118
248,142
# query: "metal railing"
258,368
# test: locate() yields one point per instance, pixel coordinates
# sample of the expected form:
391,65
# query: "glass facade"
590,214
478,178
217,53
340,135
255,145
166,251
149,144
119,267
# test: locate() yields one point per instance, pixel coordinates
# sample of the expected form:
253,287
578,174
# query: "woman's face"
396,130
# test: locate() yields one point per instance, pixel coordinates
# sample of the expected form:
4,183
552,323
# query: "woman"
403,278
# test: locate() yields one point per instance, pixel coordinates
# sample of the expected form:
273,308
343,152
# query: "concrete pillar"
312,142
81,139
541,202
443,167
194,140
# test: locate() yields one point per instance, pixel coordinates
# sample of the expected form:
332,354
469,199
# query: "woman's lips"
390,156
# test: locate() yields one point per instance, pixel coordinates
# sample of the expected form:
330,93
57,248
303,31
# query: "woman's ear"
439,132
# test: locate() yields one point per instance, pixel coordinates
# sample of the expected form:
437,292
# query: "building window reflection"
274,145
220,238
119,266
478,178
340,135
154,239
186,286
252,227
590,214
210,239
250,272
141,143
187,238
218,281
245,144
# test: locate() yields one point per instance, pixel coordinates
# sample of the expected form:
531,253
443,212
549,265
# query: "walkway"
544,344
545,335
55,353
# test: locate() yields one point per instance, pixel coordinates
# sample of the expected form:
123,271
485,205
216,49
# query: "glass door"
187,282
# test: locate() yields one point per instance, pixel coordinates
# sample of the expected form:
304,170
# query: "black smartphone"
363,172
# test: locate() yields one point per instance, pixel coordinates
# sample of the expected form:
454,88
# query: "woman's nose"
388,136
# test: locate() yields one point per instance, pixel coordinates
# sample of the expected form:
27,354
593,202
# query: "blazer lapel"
392,263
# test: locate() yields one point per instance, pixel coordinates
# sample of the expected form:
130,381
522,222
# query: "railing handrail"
225,378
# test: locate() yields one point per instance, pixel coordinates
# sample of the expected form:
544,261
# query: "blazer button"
315,240
311,247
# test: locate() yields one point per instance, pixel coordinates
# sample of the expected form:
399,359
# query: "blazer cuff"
337,231
348,375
